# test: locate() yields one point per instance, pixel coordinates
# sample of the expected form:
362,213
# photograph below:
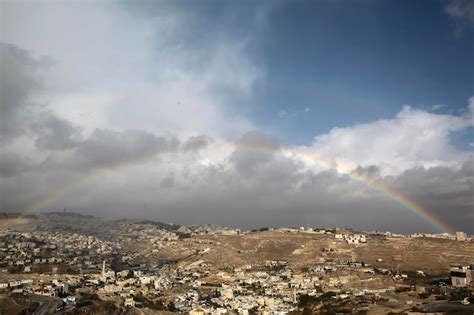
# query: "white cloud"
412,138
437,107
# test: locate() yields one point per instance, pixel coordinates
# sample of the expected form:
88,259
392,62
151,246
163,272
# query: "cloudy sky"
240,113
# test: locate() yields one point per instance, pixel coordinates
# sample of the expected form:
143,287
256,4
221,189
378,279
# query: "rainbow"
304,156
381,186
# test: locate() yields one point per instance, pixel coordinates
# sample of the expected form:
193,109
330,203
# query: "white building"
461,276
461,236
129,302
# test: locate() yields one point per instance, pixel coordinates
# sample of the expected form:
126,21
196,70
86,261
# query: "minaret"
103,271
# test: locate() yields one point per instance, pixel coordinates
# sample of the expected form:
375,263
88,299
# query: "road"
47,304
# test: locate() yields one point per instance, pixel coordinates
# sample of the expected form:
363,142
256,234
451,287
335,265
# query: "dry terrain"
432,255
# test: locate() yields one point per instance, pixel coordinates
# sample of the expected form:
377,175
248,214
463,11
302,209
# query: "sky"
241,113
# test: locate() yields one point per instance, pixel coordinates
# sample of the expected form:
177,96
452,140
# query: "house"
461,276
227,293
461,236
129,302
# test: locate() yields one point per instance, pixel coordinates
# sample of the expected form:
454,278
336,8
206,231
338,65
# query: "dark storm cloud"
258,161
334,199
19,78
196,143
438,183
40,151
371,171
10,164
323,199
447,191
254,189
20,113
54,133
107,147
254,150
167,182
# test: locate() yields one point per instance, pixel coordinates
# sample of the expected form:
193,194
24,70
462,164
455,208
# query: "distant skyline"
241,113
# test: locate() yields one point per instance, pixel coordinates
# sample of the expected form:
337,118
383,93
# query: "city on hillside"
69,263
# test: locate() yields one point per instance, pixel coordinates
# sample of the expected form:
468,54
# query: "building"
461,236
461,276
355,238
129,302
